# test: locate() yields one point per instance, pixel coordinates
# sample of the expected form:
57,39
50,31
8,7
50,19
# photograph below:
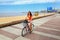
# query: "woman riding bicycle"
28,26
29,19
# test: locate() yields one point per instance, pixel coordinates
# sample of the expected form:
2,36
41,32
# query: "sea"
15,14
12,14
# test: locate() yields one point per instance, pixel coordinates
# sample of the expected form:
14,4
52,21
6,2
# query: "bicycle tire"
22,33
32,27
30,31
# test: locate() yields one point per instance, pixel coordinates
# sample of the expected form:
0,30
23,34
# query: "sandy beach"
5,20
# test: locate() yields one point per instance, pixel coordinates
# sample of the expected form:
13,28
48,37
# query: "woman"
29,18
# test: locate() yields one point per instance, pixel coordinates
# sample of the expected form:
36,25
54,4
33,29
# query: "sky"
27,5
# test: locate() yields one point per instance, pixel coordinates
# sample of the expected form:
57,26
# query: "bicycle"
26,28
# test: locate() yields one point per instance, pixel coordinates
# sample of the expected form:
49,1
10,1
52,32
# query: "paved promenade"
47,28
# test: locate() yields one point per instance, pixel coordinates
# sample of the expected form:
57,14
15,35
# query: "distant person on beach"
29,19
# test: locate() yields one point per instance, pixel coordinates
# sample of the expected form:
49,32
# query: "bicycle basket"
25,22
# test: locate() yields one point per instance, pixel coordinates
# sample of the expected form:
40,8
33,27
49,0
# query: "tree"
36,13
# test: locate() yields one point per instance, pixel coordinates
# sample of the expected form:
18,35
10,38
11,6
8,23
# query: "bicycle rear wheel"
24,32
30,31
32,27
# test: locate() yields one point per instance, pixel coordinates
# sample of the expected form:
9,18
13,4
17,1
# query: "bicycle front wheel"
24,31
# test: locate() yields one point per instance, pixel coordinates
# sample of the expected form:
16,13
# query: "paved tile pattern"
47,28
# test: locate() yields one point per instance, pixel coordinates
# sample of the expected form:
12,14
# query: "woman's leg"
30,25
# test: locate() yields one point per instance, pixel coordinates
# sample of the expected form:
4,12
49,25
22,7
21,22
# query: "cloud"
57,0
18,2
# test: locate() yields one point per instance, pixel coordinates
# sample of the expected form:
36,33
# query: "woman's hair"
29,13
